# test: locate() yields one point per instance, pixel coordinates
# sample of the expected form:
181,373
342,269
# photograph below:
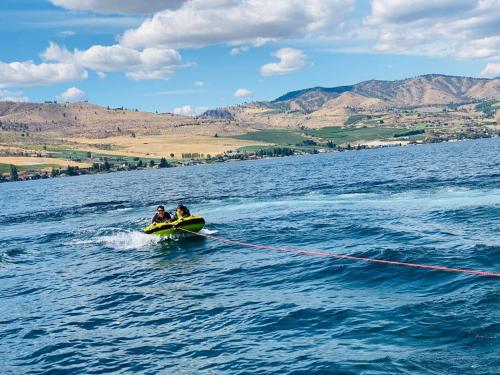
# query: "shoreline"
227,157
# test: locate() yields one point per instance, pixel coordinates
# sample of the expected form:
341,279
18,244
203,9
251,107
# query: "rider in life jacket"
181,213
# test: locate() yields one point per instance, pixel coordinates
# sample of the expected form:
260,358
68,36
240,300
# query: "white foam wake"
122,240
208,231
130,240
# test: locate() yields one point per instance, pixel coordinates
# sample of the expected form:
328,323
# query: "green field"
278,137
83,156
58,152
253,149
354,118
66,153
5,168
342,135
337,135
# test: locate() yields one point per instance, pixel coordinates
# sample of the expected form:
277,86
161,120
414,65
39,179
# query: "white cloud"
101,75
243,93
401,11
54,52
206,22
481,48
237,50
459,28
465,29
66,33
291,60
491,70
119,6
199,83
27,73
150,63
184,110
72,95
187,110
12,96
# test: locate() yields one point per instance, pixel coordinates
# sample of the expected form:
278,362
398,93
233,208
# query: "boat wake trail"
129,240
122,240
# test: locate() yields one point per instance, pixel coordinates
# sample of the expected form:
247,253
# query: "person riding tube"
181,213
161,216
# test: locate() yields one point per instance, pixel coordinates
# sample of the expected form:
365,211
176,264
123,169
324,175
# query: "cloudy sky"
188,55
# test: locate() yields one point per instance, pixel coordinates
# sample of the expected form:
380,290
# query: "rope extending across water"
350,257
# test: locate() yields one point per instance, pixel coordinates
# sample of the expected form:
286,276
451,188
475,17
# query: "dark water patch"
34,333
468,214
113,301
12,253
451,361
56,214
20,291
91,324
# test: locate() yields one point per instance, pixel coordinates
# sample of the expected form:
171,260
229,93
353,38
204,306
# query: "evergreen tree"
72,171
163,163
13,173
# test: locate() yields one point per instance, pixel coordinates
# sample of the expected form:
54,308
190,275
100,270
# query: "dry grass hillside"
93,121
118,131
319,106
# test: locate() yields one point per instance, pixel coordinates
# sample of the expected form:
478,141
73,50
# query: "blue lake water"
82,290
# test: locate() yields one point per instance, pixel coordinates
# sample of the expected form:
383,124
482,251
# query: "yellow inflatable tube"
190,223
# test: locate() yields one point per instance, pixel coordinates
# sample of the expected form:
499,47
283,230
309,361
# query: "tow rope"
341,256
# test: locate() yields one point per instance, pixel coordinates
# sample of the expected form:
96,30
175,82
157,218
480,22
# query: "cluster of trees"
307,142
278,151
163,163
101,167
69,171
410,132
487,108
107,166
191,155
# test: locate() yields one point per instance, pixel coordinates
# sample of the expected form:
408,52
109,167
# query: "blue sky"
189,55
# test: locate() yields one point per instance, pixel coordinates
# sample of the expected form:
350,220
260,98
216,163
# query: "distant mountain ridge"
326,90
315,107
424,90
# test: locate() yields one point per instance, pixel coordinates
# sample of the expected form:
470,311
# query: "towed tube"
190,223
